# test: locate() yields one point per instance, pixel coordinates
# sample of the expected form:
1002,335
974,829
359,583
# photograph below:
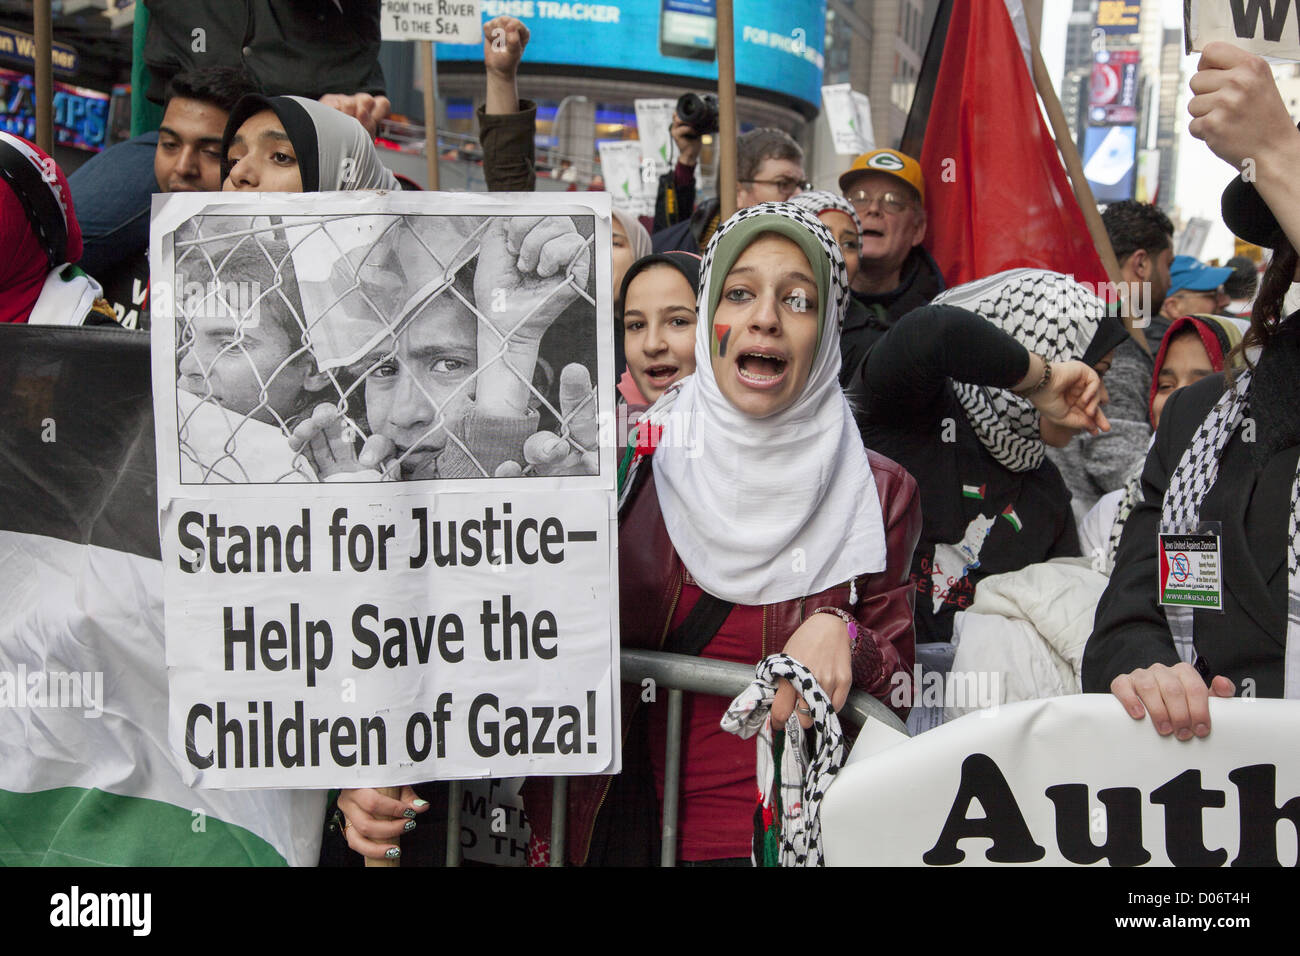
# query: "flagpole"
43,32
430,114
1074,166
727,129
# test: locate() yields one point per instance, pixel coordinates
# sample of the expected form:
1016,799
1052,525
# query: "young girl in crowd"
1194,347
1224,461
41,240
659,294
757,509
967,401
839,216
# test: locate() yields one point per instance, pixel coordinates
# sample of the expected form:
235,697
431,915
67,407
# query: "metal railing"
679,674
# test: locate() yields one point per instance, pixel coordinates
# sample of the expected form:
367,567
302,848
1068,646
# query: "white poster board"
628,177
654,120
848,114
1071,780
442,21
1267,28
366,582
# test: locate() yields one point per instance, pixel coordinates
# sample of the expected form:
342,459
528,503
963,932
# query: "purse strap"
700,626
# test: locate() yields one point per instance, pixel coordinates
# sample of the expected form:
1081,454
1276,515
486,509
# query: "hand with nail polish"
373,823
1175,697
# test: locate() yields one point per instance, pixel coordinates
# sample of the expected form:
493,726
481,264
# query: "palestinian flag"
973,491
1010,514
86,775
996,193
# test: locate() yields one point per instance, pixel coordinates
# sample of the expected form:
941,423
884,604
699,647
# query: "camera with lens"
698,112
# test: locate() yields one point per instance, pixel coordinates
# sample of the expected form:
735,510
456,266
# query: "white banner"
654,120
848,113
1265,27
1071,780
442,21
440,608
630,180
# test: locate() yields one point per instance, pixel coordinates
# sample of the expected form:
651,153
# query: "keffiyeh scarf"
1194,476
1049,314
787,820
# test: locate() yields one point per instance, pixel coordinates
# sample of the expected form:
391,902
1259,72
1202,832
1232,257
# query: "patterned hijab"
771,509
818,201
1049,314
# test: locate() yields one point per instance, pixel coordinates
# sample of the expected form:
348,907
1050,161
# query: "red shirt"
719,787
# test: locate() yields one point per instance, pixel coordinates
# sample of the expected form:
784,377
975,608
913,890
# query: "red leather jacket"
650,583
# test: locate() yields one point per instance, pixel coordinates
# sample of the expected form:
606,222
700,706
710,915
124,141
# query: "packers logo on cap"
885,161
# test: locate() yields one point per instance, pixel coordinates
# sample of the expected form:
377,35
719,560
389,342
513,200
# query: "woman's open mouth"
759,369
661,376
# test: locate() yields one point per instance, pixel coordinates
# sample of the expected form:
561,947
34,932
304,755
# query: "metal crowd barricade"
678,673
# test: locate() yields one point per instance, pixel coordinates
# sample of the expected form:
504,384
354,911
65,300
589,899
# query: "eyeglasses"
892,203
785,185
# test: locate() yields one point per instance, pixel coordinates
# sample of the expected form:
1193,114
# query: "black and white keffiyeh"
794,811
1195,475
1049,314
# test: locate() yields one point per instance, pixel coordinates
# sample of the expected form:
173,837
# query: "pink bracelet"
848,619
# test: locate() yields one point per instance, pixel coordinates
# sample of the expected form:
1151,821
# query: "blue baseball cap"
1195,276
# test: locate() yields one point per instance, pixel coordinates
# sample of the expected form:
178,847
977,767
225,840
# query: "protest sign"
848,113
1071,780
654,120
493,825
1265,27
387,530
629,179
442,21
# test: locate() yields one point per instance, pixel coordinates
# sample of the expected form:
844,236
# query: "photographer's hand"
688,142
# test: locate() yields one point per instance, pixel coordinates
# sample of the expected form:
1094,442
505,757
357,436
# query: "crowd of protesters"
918,447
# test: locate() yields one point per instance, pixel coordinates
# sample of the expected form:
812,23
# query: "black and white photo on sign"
370,347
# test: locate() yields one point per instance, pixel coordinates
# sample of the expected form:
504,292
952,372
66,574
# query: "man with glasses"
769,168
895,273
1195,288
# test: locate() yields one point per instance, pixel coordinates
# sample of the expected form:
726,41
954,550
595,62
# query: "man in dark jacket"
769,168
895,273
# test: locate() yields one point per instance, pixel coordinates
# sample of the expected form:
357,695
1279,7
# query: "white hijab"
767,510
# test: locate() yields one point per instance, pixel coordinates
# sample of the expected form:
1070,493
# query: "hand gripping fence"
278,316
679,674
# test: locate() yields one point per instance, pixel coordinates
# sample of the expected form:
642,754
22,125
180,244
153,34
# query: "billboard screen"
778,42
80,115
1110,161
1113,94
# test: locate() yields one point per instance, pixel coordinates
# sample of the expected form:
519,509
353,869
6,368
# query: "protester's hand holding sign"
1175,697
370,819
1239,113
529,271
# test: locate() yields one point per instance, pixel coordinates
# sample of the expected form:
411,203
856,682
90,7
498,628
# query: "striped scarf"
1195,475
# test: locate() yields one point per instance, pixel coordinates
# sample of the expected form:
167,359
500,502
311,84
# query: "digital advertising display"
778,42
80,114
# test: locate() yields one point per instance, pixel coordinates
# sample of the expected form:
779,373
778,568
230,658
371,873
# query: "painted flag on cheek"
86,774
722,332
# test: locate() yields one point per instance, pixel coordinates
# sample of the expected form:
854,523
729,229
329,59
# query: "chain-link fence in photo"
381,347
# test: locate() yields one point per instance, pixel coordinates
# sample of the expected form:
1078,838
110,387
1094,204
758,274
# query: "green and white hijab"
772,509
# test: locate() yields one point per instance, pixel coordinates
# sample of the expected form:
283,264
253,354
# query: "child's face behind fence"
421,389
247,367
